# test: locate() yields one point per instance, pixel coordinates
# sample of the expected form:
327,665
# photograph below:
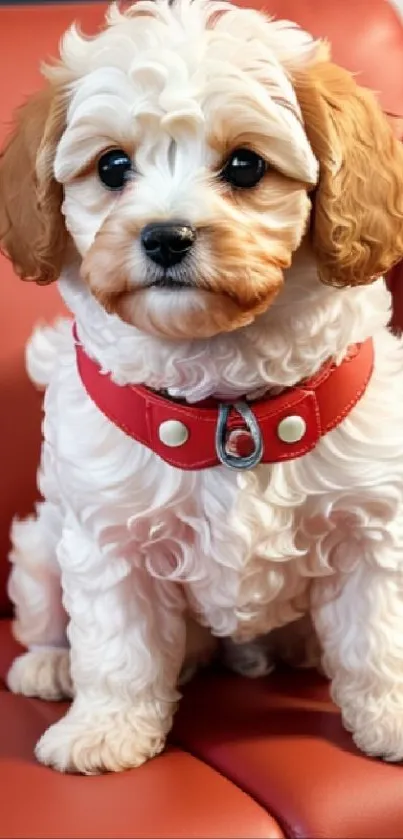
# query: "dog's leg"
34,583
40,622
127,637
359,620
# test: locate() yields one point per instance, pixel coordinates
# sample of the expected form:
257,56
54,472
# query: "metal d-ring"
252,426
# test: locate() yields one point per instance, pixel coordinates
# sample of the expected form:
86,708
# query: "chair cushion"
281,740
175,795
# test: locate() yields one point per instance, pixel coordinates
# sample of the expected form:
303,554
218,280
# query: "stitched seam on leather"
110,415
150,399
123,427
353,402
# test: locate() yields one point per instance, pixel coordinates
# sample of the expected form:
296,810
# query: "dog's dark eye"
244,169
114,168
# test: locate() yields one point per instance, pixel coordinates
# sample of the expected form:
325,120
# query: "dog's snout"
167,243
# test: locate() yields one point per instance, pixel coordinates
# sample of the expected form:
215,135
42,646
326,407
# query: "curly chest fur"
242,548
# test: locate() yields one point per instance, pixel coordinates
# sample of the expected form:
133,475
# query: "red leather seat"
247,759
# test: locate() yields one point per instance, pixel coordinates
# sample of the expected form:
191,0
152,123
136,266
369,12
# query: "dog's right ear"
32,230
357,219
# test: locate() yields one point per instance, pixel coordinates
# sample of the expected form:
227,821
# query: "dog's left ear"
357,220
32,229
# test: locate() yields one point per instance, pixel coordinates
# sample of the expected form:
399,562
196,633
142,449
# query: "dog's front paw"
100,741
381,737
44,673
375,721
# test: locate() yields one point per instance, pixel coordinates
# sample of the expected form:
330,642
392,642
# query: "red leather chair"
247,759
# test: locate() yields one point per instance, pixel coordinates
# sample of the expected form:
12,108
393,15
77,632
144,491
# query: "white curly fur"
137,545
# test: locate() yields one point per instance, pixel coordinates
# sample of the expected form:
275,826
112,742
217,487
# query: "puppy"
223,432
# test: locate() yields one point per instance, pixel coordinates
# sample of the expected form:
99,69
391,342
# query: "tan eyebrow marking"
284,103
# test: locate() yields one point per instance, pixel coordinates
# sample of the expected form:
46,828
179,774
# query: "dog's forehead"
185,50
146,76
165,61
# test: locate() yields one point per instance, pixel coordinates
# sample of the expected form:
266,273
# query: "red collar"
240,435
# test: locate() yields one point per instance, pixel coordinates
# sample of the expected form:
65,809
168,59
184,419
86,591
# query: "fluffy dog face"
177,152
184,151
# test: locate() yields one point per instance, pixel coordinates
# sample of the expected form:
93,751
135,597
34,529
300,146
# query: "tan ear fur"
32,231
357,222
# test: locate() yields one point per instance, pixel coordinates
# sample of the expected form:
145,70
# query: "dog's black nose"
167,243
